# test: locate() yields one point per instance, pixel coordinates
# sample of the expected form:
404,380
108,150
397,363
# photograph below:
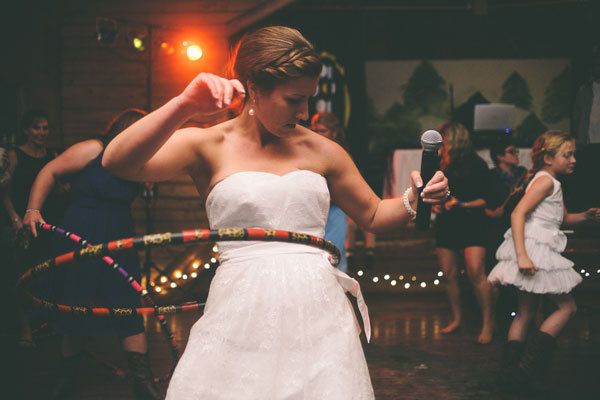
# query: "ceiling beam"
254,15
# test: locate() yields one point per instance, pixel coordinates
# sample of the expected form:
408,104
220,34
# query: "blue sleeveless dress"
99,211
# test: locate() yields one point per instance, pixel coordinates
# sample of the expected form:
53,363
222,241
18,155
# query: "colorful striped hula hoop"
92,252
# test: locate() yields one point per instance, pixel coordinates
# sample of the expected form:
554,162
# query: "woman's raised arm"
148,150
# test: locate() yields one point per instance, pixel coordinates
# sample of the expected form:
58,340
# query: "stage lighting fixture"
138,43
106,31
167,48
193,51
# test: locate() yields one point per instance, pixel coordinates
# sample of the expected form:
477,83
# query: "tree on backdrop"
557,104
515,91
425,91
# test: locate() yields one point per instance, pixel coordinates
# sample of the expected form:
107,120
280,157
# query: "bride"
277,322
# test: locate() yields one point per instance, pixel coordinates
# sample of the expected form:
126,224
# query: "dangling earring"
251,110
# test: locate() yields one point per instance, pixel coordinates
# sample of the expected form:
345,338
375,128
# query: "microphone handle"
430,163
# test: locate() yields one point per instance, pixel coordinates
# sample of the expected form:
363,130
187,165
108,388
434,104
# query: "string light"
173,285
207,266
406,285
195,265
157,289
184,276
375,279
213,260
359,273
194,274
393,282
215,249
386,277
163,279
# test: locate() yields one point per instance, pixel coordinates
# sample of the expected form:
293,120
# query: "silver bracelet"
32,210
412,213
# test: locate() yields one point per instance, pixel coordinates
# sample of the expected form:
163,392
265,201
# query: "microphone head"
431,140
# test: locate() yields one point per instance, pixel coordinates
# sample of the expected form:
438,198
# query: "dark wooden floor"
408,357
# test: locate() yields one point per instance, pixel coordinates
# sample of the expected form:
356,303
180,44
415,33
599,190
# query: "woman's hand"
435,192
17,224
31,220
208,93
450,203
592,215
495,213
526,266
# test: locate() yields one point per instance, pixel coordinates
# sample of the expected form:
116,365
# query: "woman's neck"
33,149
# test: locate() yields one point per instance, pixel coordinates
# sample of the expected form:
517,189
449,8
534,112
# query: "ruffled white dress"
543,242
277,322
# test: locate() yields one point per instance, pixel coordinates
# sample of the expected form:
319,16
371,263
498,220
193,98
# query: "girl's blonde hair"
271,55
547,144
456,142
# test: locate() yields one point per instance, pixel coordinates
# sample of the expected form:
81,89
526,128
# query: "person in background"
460,226
24,163
530,259
99,211
507,189
327,124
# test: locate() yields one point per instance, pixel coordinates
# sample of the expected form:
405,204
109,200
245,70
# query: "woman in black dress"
24,163
461,225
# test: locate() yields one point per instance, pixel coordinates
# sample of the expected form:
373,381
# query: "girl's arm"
72,160
571,219
151,149
354,196
540,189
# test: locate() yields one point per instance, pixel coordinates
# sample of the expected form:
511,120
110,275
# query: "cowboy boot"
141,373
535,363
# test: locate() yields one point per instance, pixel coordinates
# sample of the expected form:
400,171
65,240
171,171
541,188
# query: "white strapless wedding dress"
277,322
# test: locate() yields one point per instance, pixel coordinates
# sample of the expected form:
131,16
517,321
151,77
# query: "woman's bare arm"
153,149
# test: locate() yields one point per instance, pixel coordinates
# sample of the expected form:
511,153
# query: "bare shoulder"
542,185
321,145
88,146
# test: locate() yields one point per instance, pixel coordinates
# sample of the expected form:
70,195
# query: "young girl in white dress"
277,322
530,259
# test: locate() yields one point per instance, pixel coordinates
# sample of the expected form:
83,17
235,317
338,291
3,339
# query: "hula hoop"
102,251
93,252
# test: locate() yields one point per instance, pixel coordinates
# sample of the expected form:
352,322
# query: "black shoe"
68,379
370,259
143,380
513,351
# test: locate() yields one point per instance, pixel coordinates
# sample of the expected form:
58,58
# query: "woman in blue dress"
99,211
327,124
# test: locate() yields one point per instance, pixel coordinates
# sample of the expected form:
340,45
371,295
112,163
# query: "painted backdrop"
409,97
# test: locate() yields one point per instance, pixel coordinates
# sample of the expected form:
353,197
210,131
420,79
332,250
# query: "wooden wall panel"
98,82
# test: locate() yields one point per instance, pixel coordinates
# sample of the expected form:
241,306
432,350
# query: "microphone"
430,162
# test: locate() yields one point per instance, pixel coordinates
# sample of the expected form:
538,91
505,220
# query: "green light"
138,44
